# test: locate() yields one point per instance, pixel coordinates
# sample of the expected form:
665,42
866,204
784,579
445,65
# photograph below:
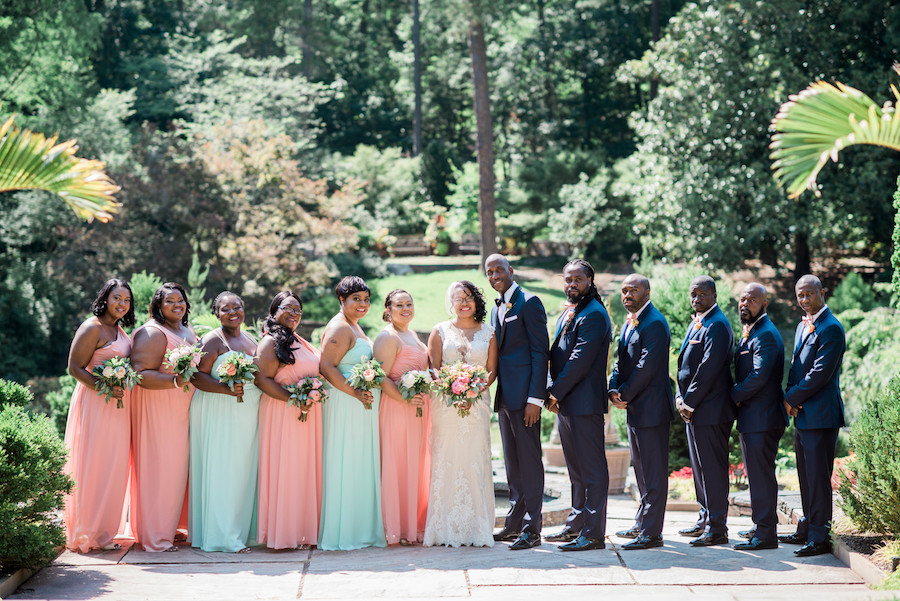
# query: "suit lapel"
515,298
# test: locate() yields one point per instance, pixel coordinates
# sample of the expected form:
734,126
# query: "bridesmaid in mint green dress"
224,440
351,492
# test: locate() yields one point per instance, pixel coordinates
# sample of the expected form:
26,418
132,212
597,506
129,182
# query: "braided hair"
592,292
284,337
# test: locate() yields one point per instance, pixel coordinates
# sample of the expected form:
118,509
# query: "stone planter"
618,456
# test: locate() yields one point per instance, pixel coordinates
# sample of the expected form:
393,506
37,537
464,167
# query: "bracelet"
175,381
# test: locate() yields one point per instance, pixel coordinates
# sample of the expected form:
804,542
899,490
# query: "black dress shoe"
792,539
756,544
709,539
810,549
563,536
506,535
748,534
694,531
526,540
644,542
583,543
631,533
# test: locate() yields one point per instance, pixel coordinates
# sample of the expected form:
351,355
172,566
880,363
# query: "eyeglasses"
291,310
463,299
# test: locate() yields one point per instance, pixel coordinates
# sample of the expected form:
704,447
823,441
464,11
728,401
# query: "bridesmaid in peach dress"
98,433
290,450
405,461
160,424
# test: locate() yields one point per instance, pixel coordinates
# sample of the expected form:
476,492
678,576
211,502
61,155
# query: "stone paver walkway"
672,573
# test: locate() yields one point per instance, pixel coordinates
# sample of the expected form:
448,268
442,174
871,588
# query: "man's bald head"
810,294
752,303
635,292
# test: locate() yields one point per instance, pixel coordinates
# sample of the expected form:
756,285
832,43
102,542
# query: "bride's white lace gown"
461,497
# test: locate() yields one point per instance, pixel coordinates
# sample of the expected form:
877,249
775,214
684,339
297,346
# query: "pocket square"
745,352
694,341
511,318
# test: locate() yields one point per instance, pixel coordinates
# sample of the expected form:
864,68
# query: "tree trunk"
801,255
484,139
417,83
654,29
306,57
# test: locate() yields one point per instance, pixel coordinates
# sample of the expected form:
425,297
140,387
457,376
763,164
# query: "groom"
520,324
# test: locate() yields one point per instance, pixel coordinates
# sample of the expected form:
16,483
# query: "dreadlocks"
592,292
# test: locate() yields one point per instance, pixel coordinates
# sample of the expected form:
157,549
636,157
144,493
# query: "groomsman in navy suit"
704,383
640,385
761,418
520,325
813,399
577,393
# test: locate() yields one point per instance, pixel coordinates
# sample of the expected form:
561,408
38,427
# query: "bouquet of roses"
304,393
236,368
116,371
415,382
462,384
366,375
183,359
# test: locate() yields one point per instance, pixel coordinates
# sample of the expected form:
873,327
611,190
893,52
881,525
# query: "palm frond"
817,123
30,161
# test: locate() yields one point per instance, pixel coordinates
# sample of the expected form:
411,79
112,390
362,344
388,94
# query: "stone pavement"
673,572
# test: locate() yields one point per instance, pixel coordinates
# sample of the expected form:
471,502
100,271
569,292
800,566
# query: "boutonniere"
745,333
698,323
632,321
810,326
508,306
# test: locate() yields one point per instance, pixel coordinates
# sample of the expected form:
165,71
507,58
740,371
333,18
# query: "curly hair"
284,337
349,285
98,307
160,294
477,295
386,316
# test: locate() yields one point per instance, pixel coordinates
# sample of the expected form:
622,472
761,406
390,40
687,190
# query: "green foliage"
143,286
871,495
13,393
195,289
32,485
853,293
58,401
871,359
587,215
895,256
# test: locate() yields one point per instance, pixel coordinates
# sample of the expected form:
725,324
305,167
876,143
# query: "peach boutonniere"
810,326
508,306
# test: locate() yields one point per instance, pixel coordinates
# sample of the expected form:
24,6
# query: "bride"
461,497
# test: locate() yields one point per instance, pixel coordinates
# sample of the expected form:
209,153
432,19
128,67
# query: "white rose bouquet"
116,371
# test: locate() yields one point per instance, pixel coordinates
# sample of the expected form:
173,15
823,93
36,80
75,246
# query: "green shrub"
58,401
871,359
871,495
143,286
854,293
13,393
32,486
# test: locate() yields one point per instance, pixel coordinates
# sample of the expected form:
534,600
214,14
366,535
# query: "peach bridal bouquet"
415,382
236,368
461,384
115,371
366,375
183,359
304,393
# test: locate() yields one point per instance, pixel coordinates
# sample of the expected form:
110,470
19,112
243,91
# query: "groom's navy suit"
704,383
814,384
522,373
641,376
761,418
578,359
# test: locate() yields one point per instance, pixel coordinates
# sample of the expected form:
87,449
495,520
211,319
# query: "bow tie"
698,322
497,301
631,320
810,324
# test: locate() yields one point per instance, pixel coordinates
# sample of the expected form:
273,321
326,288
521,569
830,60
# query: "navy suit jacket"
523,351
641,372
578,362
704,370
758,369
814,379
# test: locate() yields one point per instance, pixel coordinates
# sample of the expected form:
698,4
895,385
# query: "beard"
751,317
